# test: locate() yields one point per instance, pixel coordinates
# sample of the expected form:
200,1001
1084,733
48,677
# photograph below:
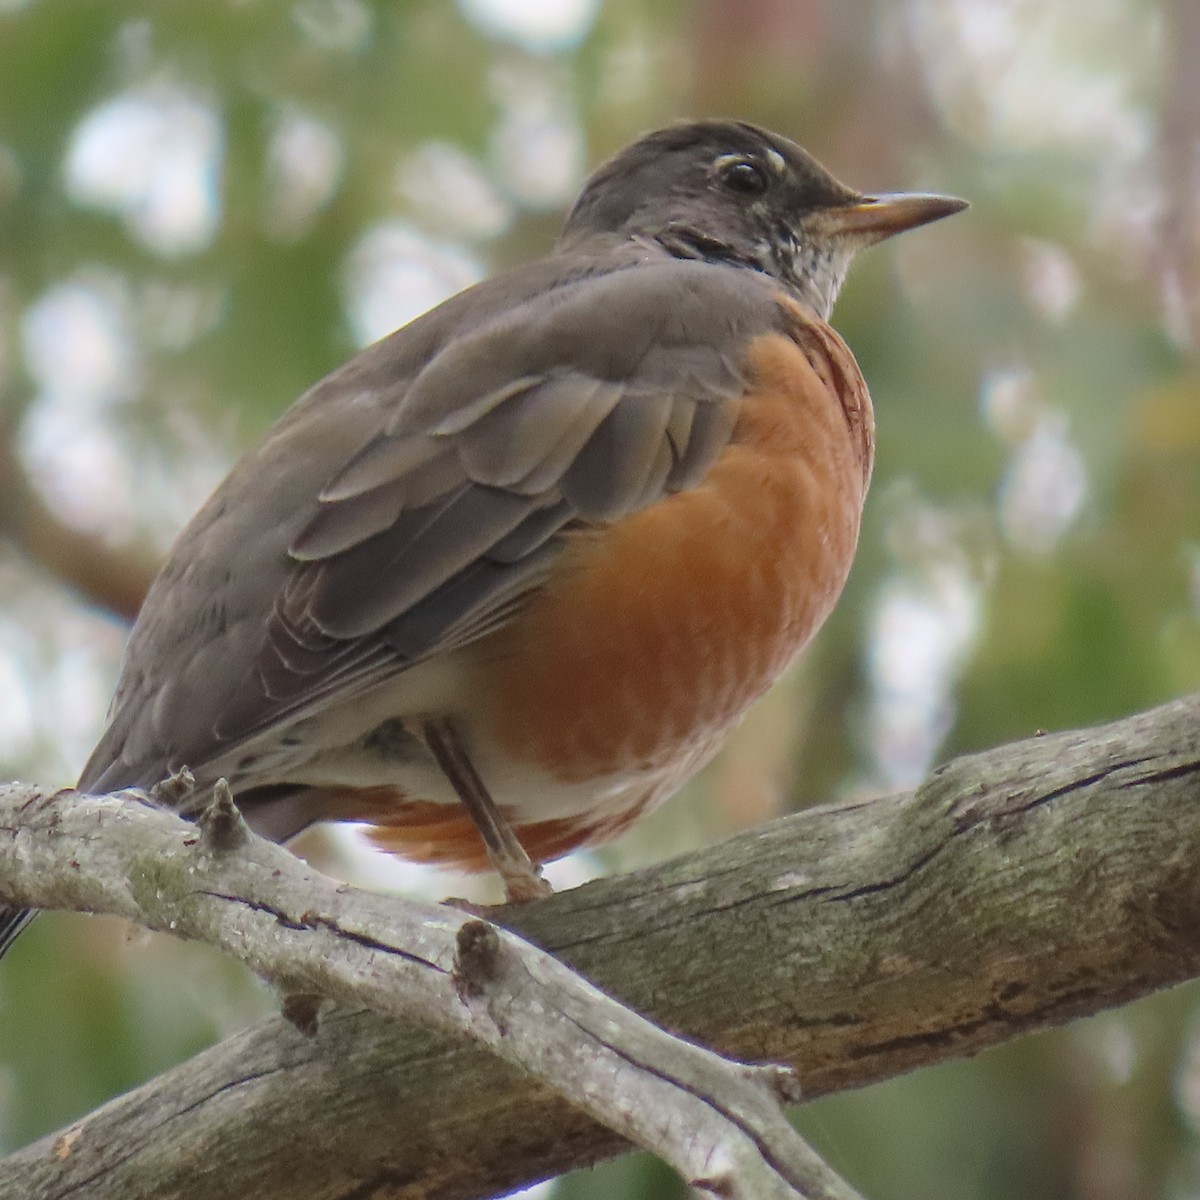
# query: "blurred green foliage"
1036,506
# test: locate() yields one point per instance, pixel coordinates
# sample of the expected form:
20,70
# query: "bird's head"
727,191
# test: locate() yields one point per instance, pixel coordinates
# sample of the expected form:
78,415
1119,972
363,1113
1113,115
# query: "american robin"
503,581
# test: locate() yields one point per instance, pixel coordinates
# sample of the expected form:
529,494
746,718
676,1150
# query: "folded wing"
571,407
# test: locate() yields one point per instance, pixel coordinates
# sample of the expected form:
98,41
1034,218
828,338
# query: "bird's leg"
522,876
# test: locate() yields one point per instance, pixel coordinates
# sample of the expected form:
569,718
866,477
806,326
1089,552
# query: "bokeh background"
204,207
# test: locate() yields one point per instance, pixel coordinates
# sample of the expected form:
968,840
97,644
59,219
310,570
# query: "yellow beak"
873,218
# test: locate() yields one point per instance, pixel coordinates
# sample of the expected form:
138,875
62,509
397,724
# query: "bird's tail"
12,921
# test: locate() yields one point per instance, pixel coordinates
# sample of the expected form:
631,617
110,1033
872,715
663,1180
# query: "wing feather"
494,427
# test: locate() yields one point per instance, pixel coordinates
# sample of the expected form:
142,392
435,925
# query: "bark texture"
1016,889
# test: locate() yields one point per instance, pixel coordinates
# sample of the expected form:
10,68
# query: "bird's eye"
744,176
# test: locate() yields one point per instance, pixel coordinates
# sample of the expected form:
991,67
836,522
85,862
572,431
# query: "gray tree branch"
1015,889
719,1123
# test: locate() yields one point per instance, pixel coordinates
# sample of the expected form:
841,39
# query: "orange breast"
447,837
655,633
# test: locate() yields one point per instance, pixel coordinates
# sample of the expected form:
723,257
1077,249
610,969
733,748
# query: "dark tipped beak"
873,218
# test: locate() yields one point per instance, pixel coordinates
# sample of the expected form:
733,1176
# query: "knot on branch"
174,790
780,1080
476,958
222,827
301,1010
